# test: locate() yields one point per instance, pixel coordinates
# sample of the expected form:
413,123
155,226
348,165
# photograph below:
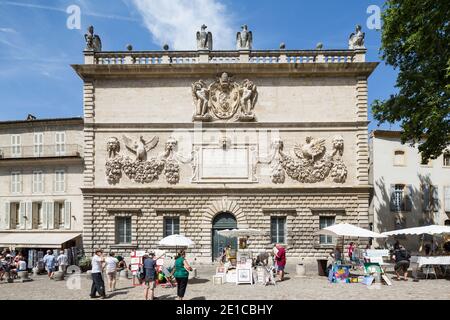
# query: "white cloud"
8,30
176,22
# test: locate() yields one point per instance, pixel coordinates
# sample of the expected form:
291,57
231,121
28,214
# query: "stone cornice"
57,122
122,71
229,191
230,125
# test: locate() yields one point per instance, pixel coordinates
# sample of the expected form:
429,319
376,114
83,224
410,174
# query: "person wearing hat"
50,262
98,285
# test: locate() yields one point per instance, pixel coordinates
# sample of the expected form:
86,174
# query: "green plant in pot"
84,263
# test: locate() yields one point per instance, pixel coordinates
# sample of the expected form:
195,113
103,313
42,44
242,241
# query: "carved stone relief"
143,169
312,163
224,99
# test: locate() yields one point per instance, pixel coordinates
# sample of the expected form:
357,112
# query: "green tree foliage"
416,41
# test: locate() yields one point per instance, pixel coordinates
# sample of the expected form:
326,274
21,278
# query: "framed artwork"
244,276
220,270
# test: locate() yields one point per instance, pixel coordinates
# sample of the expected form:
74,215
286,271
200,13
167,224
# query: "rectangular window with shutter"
16,146
401,198
171,226
278,229
15,215
326,221
60,181
38,215
60,216
16,182
38,147
430,198
60,143
38,182
123,230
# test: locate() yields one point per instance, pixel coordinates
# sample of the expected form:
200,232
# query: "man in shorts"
149,266
50,263
111,270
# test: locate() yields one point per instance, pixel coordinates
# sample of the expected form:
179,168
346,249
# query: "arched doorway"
222,221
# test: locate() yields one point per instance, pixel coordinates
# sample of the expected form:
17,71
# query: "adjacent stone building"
407,192
41,168
192,142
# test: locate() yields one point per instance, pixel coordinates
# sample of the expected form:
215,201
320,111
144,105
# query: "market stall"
239,268
440,258
340,271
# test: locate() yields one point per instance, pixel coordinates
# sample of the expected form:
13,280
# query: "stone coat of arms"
224,99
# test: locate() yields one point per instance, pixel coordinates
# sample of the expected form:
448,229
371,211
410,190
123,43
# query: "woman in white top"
111,270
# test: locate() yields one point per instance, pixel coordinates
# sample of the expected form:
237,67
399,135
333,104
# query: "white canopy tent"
431,229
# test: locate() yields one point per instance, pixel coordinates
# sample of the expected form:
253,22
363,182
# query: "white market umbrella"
231,233
176,241
349,230
432,229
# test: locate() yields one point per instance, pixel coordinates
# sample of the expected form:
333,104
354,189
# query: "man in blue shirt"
50,262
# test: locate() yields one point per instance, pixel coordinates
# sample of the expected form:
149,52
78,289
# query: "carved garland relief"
224,99
312,163
142,169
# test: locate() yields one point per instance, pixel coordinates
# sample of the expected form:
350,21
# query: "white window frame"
118,239
38,184
60,183
16,182
328,239
277,231
446,155
16,146
172,225
38,144
60,143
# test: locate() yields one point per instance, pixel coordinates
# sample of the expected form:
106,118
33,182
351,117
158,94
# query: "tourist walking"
98,285
351,251
401,257
280,258
111,271
49,262
181,273
149,268
63,262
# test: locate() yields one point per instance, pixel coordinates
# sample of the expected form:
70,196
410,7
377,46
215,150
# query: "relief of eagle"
140,147
313,149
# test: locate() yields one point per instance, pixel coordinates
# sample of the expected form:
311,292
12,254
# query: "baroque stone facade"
188,139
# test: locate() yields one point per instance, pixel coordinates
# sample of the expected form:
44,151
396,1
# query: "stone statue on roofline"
356,40
244,39
93,42
204,39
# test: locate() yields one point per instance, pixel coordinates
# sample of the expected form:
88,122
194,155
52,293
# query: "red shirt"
281,257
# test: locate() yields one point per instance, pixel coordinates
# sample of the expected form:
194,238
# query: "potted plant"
84,263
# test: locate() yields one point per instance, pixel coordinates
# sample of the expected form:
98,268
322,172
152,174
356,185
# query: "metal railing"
41,151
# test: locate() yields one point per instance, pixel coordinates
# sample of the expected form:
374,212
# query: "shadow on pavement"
198,281
199,298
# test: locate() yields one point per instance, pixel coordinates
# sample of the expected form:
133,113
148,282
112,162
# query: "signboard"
221,163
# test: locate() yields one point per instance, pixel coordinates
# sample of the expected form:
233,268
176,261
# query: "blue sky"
37,48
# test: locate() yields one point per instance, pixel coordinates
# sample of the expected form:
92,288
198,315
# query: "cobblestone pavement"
313,287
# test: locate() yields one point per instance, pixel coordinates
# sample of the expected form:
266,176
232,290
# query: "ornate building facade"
192,142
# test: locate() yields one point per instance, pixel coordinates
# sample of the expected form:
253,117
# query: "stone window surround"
281,212
173,213
125,212
325,212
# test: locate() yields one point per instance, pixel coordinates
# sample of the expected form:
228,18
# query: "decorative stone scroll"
143,169
224,100
313,163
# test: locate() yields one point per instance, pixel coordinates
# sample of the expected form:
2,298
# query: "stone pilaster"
89,144
362,138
